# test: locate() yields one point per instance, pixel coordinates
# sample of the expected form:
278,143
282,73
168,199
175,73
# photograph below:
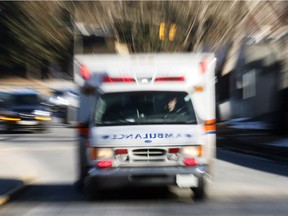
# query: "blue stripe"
211,132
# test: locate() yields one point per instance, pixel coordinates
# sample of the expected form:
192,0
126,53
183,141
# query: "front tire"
200,190
82,167
80,183
43,130
6,128
92,193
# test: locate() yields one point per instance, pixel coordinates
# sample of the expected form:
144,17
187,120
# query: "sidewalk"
256,142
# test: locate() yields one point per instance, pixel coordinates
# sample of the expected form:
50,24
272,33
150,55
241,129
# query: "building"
253,83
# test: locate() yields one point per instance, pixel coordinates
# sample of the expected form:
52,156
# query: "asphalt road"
243,185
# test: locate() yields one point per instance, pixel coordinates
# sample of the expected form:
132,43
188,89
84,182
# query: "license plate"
186,180
23,122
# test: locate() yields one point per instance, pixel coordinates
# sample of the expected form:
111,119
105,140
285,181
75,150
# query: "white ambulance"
146,119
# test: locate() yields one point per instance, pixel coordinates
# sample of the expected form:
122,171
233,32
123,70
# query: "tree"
137,22
36,33
40,32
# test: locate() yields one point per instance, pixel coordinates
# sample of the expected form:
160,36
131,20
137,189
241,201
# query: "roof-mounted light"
203,65
170,79
85,72
118,79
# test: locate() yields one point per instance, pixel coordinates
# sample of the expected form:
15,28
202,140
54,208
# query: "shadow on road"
8,186
67,193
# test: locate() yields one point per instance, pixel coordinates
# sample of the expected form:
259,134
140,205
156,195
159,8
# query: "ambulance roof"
145,69
115,62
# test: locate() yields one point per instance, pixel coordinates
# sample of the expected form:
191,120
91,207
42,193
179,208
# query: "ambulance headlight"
101,153
192,151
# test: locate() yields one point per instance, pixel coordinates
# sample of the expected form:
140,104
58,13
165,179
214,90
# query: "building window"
249,84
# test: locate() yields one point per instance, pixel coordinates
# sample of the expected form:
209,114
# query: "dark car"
23,110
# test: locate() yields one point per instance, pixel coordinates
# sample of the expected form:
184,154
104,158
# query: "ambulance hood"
146,135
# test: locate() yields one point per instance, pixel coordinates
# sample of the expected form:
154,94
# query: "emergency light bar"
160,79
131,79
203,65
85,72
117,79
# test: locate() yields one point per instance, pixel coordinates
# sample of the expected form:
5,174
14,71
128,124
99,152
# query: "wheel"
5,128
91,191
199,192
80,183
82,167
43,130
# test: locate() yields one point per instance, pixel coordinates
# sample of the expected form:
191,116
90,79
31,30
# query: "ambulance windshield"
136,108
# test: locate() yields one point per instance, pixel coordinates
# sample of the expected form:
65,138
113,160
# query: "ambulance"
146,120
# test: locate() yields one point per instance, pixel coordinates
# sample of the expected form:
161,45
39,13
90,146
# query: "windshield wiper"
117,122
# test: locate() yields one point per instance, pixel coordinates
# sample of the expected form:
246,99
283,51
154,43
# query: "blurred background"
38,41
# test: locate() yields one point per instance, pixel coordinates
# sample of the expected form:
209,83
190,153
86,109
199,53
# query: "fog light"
190,162
104,164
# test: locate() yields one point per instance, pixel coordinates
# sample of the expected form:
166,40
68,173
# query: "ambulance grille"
147,155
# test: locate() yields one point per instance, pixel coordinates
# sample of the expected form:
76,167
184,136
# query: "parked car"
23,110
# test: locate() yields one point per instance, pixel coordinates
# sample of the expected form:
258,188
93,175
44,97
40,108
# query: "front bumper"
25,125
148,176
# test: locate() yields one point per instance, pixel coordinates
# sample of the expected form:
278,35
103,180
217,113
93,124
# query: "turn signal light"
210,126
174,150
94,153
192,151
121,151
9,118
40,118
198,88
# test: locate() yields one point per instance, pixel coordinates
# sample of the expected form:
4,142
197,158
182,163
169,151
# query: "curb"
4,198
